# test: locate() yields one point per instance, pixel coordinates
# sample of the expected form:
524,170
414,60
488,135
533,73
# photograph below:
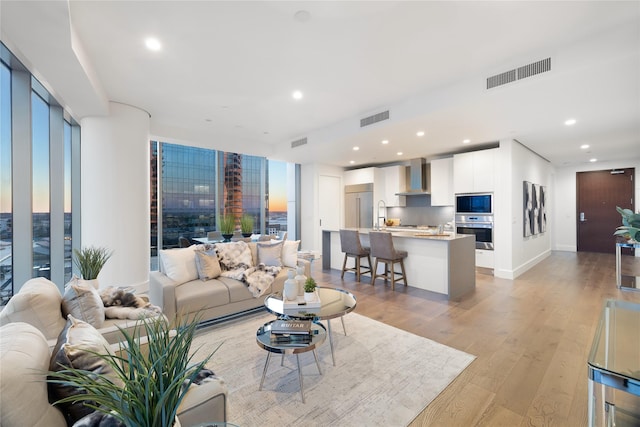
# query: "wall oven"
476,203
479,225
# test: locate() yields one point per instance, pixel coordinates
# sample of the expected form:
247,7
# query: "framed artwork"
542,210
527,208
535,205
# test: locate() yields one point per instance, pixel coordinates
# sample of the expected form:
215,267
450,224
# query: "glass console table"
627,267
614,366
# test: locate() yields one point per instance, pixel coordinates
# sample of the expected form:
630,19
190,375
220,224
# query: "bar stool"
351,246
383,251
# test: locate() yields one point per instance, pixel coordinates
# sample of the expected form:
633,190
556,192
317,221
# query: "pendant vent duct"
374,119
299,142
519,73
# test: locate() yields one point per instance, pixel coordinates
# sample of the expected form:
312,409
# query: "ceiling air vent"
374,119
298,142
519,73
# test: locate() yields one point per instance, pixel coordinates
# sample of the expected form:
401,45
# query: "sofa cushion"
179,264
207,264
234,254
195,295
76,348
290,253
270,254
37,303
83,302
24,361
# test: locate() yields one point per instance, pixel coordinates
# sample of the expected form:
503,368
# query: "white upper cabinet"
359,176
474,172
442,193
395,181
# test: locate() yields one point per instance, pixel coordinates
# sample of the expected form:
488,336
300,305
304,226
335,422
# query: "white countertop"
417,233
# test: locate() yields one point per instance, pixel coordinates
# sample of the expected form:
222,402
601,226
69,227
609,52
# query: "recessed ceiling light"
297,94
356,148
352,161
570,122
207,120
153,44
593,160
302,16
584,146
385,141
399,153
420,133
466,141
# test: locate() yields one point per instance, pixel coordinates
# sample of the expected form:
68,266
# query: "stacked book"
291,332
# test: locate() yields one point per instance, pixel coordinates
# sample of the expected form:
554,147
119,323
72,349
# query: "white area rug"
383,376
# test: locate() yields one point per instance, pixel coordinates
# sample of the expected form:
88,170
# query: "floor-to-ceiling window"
6,233
192,187
40,186
38,142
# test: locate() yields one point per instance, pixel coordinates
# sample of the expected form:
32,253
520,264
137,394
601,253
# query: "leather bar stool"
383,251
351,246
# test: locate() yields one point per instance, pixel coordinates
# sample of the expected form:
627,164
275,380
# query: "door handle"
582,218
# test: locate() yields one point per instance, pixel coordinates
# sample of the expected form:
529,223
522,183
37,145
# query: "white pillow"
179,264
290,253
270,254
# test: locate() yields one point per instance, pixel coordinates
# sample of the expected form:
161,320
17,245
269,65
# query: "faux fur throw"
258,279
120,304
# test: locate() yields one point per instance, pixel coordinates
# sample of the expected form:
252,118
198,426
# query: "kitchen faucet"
384,205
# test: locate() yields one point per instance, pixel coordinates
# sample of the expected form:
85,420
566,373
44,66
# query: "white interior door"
329,205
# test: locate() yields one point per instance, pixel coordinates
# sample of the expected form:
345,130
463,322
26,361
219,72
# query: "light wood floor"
531,337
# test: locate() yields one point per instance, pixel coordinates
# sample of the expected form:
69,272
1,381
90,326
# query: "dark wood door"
598,194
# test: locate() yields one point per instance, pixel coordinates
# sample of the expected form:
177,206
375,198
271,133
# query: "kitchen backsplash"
418,211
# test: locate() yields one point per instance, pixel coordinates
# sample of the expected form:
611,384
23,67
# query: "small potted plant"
227,226
630,228
90,261
310,289
246,225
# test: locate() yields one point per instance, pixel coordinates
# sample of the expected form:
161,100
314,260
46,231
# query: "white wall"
564,218
115,192
515,254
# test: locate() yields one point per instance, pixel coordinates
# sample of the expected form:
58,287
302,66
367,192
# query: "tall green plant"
227,224
156,375
246,223
630,224
90,261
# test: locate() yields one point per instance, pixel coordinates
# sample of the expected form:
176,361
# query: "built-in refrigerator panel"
359,206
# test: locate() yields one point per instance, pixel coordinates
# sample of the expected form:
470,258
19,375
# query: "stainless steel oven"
479,225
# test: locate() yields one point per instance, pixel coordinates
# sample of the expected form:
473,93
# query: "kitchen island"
444,264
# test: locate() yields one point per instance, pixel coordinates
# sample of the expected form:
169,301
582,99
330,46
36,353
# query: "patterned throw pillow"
208,264
270,254
76,348
83,302
234,254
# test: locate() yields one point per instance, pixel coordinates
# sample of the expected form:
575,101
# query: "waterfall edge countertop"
444,264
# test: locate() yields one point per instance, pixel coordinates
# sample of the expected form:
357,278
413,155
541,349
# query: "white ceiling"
226,72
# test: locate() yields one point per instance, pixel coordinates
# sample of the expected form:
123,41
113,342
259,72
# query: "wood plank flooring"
531,337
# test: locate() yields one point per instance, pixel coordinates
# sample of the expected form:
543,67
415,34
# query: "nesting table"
614,366
264,340
335,303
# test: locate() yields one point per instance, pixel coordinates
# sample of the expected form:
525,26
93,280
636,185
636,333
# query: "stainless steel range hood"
417,180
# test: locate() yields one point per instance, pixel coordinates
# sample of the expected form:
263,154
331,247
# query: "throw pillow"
179,264
83,302
234,254
270,254
76,348
208,264
290,253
